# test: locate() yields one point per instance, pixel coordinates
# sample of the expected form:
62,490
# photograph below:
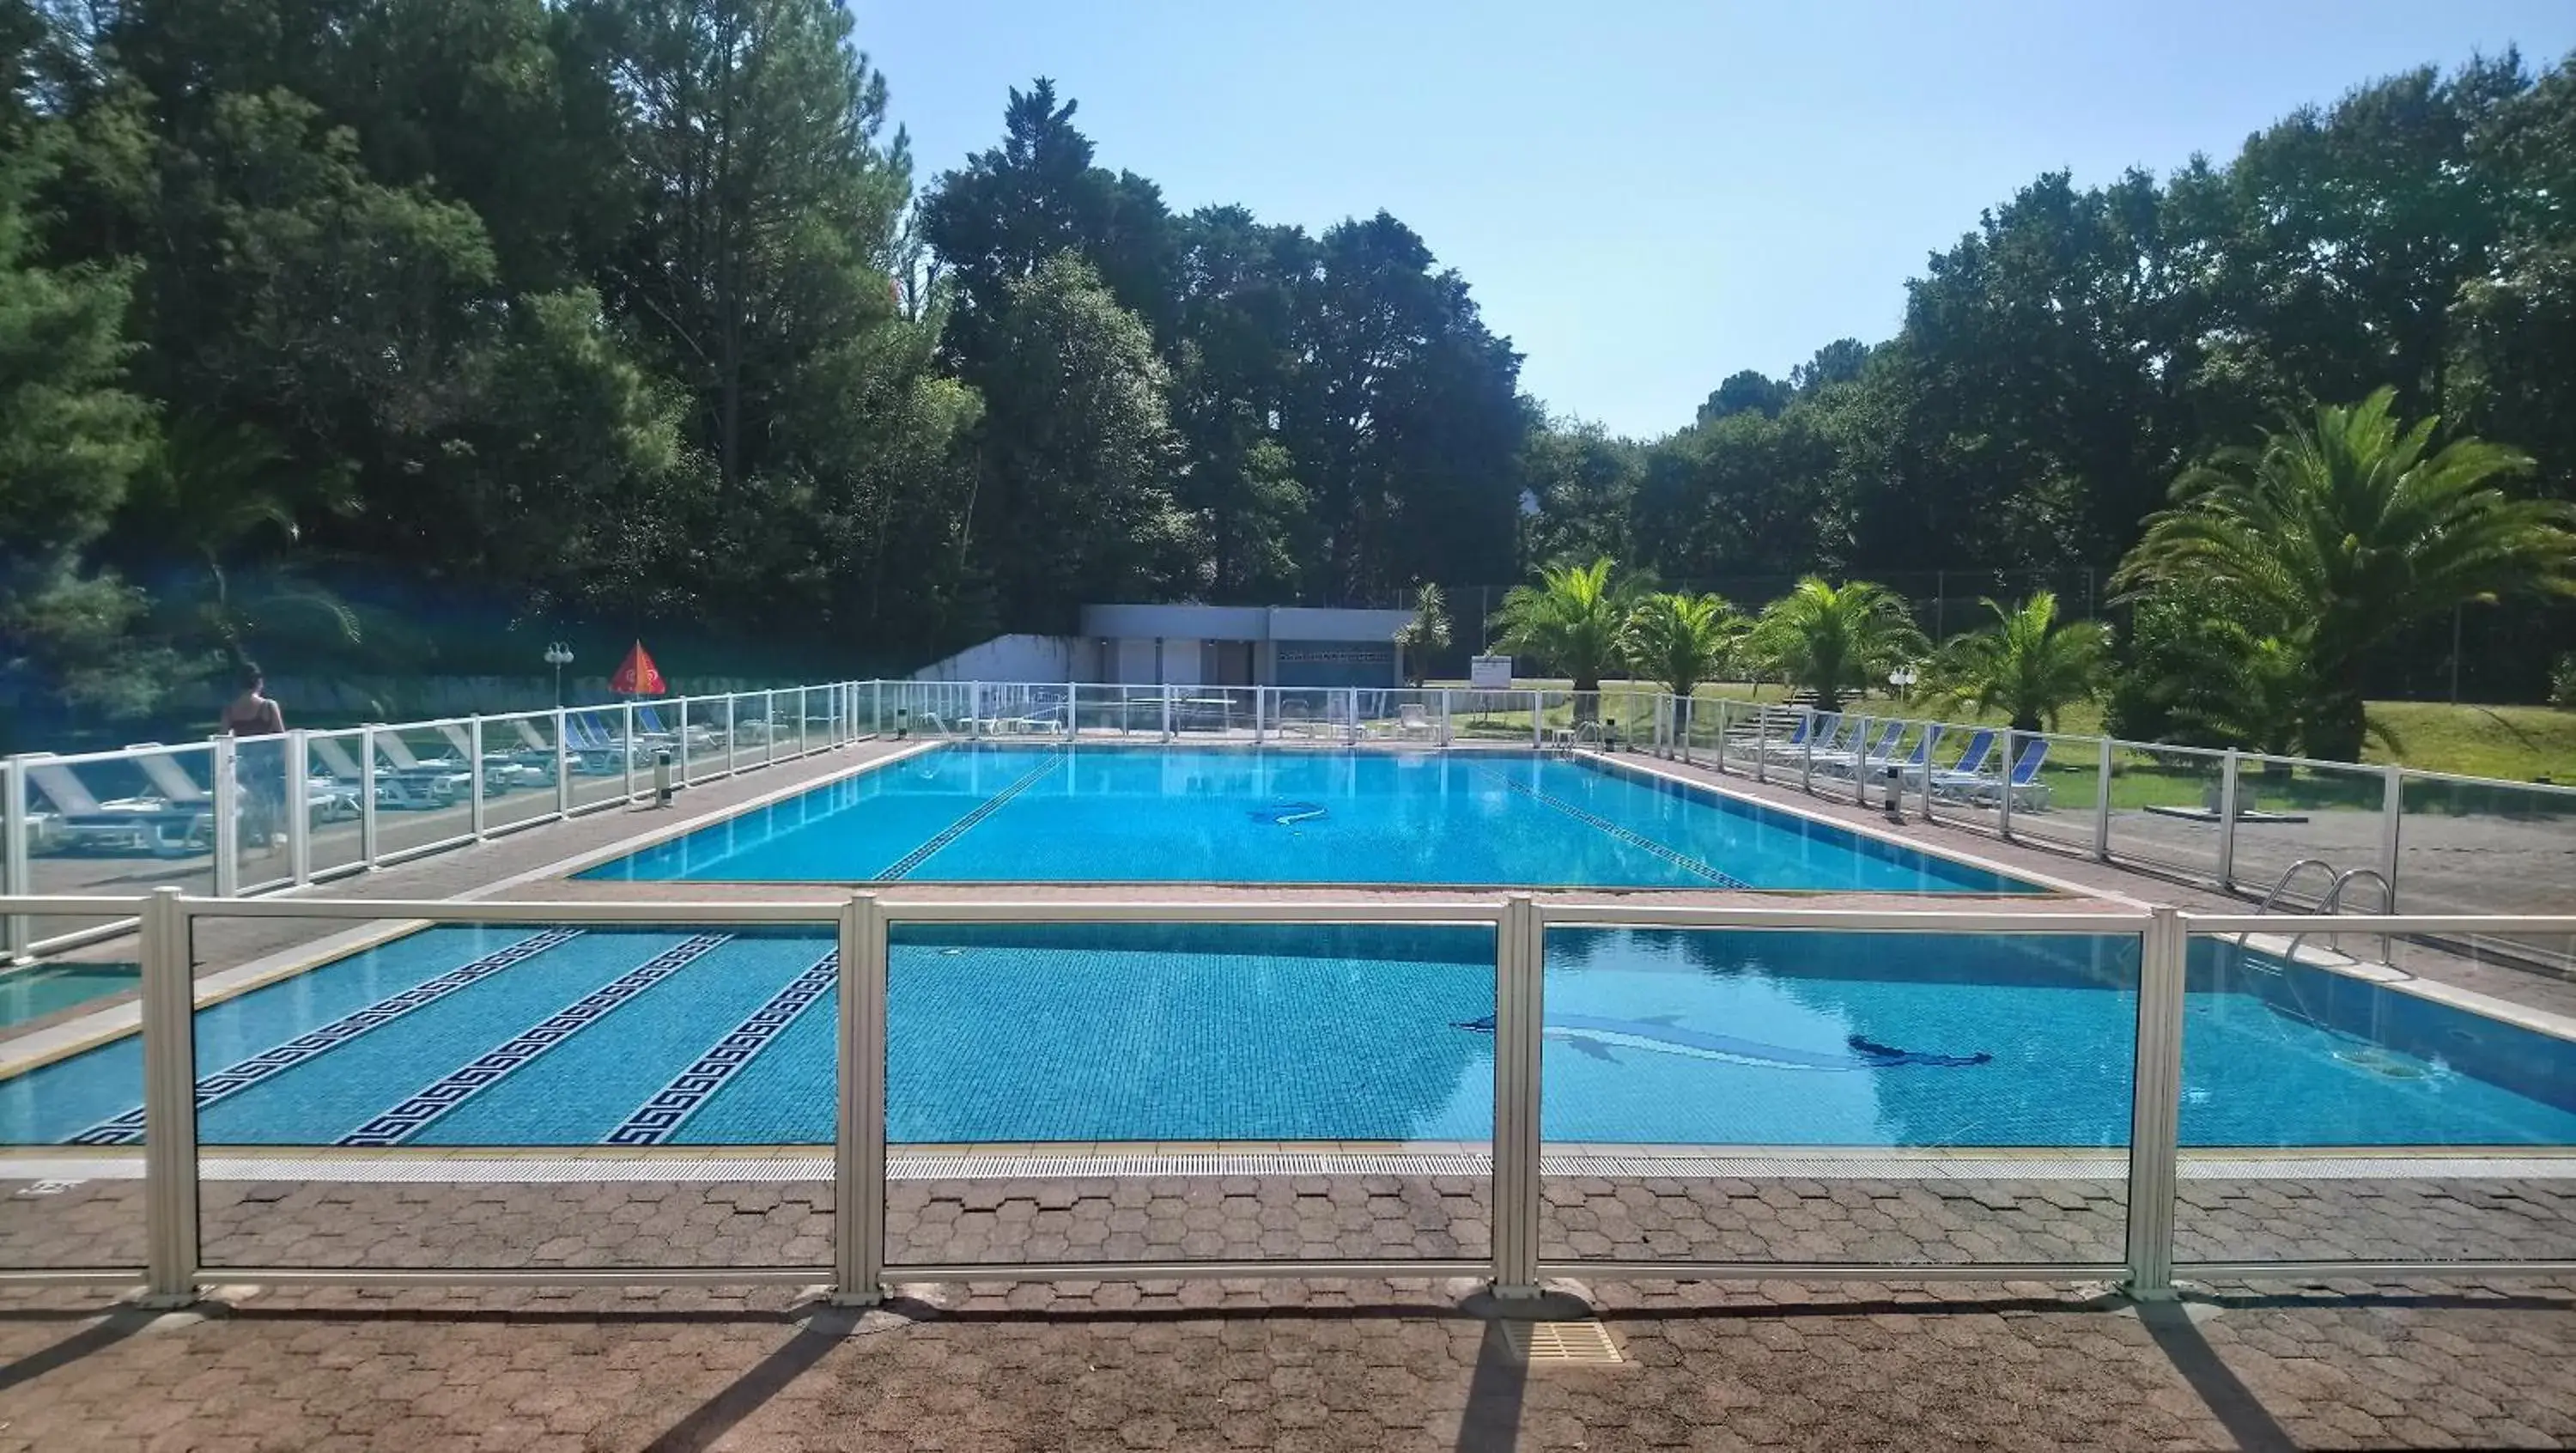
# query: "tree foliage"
1573,620
2346,529
2029,664
1679,640
1834,639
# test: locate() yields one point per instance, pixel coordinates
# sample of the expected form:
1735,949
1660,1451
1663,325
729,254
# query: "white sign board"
1489,673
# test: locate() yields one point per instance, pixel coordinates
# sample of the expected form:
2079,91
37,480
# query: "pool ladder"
2331,904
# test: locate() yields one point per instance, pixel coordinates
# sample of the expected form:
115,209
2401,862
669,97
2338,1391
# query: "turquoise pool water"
1050,1032
1233,815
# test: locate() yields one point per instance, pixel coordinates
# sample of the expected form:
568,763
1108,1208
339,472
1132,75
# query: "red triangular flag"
637,675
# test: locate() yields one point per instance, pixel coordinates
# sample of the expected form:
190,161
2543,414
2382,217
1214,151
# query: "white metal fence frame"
488,758
859,1271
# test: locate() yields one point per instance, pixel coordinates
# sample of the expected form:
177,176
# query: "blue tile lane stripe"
1630,836
435,1099
223,1084
659,1118
955,830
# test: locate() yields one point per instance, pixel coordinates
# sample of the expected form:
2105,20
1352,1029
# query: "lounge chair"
2023,783
336,759
125,824
168,779
1412,723
1971,763
1812,726
1850,763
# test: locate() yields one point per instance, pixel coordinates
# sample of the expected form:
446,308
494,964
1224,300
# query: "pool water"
963,813
467,1036
32,993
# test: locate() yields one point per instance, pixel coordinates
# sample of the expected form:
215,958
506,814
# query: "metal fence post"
2102,806
626,750
858,1158
2155,1111
1446,717
169,1104
563,763
769,727
474,774
2004,787
1260,714
683,745
1519,1010
297,804
16,929
1167,711
1807,755
876,706
1761,743
227,793
1538,717
2392,813
2227,820
367,796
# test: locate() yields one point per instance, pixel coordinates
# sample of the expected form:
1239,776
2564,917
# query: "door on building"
1229,663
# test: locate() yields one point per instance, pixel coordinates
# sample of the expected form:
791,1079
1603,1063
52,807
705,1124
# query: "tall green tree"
1571,621
2028,664
2354,525
1679,640
71,442
1075,503
1833,639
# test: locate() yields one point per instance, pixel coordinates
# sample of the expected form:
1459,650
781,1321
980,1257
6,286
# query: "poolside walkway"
1379,1366
1384,1367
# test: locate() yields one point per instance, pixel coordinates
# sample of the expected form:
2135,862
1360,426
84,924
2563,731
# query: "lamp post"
558,655
1903,679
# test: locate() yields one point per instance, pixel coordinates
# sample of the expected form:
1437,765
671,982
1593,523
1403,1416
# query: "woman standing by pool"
262,764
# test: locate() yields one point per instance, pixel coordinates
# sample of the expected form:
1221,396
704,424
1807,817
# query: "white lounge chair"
125,824
175,785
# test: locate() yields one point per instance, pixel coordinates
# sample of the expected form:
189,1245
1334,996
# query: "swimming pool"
986,814
463,1036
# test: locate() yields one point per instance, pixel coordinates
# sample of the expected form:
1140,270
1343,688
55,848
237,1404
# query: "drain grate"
1562,1344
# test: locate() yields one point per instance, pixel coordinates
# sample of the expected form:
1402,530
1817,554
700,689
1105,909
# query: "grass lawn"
2511,743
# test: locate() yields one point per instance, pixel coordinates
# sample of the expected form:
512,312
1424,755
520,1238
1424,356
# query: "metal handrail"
2334,903
2281,885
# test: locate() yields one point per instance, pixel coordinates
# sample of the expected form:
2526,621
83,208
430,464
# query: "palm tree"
1832,639
2028,664
2354,526
1680,640
1571,622
1427,632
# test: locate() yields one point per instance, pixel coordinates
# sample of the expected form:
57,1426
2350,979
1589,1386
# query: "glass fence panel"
1490,715
2164,807
334,800
1222,712
1802,1096
1851,764
518,769
1406,716
1039,710
1104,711
2055,800
1311,714
64,1209
1064,1092
2489,847
601,750
1764,740
378,1106
422,787
2289,812
124,823
2330,1114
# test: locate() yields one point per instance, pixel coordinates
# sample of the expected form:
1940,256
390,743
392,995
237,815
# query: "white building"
1197,645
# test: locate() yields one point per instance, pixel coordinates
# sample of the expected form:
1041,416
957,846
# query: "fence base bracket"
1499,1303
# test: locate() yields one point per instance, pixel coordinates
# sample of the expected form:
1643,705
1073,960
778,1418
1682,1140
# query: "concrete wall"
1014,658
1305,623
1184,622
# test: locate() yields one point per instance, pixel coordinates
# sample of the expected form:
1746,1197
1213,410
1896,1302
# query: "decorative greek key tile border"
659,1118
223,1084
434,1100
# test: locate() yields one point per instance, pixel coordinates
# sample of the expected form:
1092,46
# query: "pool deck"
1323,1365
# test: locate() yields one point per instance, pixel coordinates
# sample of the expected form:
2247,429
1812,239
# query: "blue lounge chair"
1971,762
1818,727
1847,763
2023,782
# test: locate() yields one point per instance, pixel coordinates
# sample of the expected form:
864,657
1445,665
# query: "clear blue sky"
1647,195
